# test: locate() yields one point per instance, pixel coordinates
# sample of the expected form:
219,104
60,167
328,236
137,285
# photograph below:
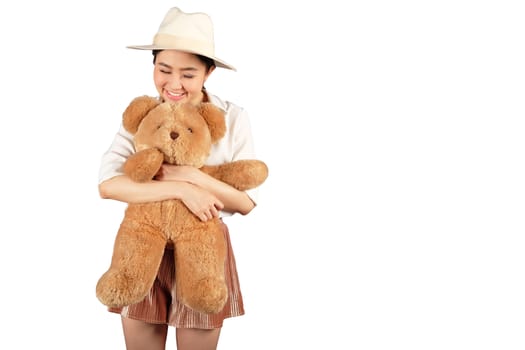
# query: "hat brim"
218,62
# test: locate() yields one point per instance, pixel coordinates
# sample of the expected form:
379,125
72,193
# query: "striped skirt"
161,306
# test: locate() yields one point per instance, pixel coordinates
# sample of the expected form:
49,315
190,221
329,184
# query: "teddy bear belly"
183,225
171,219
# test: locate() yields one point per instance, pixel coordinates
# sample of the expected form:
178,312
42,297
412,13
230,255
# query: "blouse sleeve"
243,145
113,159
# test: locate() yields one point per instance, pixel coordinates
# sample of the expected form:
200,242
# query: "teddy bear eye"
190,130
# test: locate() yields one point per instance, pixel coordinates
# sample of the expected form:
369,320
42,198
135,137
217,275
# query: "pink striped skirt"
161,306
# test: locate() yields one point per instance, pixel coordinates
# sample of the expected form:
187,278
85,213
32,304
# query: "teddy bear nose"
174,135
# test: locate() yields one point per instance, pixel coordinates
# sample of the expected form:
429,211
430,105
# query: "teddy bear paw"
207,298
117,289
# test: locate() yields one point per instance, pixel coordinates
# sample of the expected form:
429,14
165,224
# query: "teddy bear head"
183,132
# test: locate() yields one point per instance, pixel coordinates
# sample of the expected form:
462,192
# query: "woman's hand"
201,202
231,199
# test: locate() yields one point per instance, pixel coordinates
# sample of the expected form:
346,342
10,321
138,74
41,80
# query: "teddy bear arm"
242,174
143,165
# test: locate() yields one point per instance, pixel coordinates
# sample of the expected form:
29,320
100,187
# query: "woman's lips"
172,96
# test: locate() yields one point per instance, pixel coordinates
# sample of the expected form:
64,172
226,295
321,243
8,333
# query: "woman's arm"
199,201
234,201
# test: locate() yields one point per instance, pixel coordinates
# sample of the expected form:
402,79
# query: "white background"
394,133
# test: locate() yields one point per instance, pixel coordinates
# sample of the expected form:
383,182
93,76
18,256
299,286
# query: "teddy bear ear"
214,117
136,111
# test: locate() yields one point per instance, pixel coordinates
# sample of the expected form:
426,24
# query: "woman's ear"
208,73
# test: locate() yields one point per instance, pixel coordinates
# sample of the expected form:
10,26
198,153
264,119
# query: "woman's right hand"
200,202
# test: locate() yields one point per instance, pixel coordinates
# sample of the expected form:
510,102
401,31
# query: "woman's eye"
164,71
189,76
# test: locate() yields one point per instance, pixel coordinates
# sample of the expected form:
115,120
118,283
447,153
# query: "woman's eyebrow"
165,65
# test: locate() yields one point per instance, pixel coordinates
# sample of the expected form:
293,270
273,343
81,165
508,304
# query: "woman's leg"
197,339
140,335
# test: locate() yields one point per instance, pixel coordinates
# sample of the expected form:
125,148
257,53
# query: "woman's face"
179,76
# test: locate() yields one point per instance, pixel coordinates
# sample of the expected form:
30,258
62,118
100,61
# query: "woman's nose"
174,83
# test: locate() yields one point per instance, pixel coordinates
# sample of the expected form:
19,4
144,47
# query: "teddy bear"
180,134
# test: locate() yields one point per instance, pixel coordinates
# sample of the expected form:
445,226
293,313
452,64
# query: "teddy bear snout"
174,135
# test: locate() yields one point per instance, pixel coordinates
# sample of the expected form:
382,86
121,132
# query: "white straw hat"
189,32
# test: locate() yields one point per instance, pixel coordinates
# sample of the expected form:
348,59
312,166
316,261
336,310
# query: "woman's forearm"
124,189
234,201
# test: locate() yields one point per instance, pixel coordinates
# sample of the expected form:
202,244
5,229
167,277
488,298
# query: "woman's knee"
140,335
193,338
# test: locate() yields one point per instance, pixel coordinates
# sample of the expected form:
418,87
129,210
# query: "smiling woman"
184,59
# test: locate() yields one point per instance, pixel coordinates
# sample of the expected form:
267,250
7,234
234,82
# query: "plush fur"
180,134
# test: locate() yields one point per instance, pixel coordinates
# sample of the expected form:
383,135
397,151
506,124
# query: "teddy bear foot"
207,298
118,289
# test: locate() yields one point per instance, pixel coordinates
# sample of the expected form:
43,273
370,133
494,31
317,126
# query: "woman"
183,51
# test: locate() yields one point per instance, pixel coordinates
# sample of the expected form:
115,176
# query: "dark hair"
208,62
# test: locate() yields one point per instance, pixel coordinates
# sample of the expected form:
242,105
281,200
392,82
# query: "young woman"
183,57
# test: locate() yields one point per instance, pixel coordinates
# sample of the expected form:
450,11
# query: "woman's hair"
208,62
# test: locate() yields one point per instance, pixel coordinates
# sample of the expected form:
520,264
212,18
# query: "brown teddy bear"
180,134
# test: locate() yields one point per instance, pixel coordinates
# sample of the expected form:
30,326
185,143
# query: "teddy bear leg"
137,255
199,271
